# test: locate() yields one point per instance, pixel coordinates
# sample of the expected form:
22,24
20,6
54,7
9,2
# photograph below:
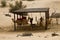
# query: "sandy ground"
36,36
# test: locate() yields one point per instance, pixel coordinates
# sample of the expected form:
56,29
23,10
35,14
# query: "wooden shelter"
29,10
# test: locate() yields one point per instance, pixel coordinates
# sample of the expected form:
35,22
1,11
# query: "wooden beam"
14,23
17,16
47,18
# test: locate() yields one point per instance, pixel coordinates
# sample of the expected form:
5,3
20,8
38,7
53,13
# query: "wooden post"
17,16
47,18
17,23
14,23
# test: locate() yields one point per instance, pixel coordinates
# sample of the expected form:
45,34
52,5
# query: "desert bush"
3,3
18,5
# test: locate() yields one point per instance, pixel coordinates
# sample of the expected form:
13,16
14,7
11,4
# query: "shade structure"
31,10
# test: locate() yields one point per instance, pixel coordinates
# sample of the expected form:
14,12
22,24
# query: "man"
31,20
41,21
